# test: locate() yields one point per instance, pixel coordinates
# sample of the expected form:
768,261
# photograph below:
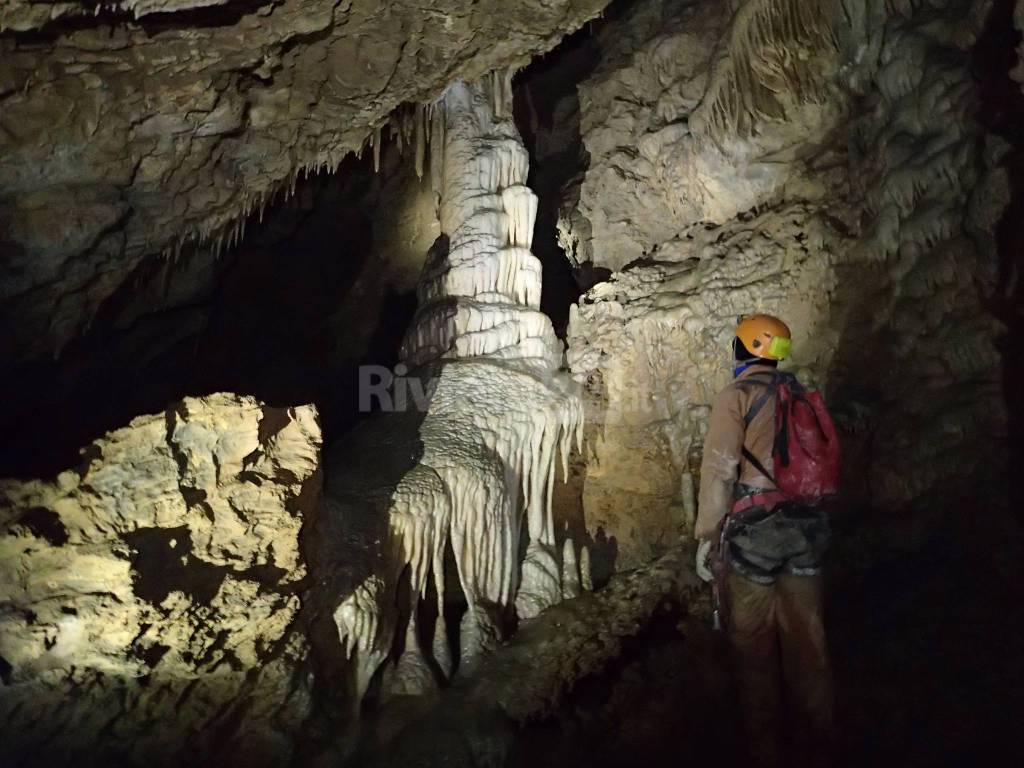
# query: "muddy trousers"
782,669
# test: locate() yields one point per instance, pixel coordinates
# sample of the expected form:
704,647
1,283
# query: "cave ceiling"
141,128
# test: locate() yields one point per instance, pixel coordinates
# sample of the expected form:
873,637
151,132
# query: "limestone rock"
696,114
150,595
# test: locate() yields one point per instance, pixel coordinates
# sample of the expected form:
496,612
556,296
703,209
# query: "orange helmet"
765,336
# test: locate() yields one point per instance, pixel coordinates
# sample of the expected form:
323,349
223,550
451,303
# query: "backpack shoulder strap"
770,385
757,405
757,464
790,380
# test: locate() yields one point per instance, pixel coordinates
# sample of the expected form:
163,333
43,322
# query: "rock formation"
473,436
150,597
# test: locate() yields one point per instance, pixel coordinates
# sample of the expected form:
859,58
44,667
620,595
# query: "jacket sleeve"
723,448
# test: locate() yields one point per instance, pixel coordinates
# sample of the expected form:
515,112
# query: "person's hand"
704,561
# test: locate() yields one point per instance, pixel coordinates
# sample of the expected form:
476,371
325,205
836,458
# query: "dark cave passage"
321,283
1002,112
547,115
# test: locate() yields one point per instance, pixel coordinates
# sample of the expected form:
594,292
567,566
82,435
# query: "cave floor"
928,664
929,669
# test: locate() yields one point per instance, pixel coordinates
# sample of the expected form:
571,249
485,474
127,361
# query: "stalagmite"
411,675
586,579
541,581
688,491
441,648
570,572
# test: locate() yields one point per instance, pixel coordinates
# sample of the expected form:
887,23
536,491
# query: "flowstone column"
482,299
481,455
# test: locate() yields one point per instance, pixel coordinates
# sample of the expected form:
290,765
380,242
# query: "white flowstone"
766,188
521,206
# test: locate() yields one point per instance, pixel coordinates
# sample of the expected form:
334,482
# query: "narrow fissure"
547,114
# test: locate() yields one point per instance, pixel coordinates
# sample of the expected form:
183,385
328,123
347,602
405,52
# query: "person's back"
723,465
767,552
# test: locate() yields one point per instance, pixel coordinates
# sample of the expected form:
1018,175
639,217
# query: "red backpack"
807,457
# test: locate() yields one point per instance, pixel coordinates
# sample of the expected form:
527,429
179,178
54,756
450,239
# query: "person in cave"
765,552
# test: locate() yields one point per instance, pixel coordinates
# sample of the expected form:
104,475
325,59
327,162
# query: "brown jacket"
723,463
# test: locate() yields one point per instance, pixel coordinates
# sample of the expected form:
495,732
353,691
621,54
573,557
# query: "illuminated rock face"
150,595
821,165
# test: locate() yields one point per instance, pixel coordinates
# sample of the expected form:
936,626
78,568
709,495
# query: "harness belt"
768,499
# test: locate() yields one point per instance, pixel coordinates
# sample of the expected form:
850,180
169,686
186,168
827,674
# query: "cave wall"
151,595
819,161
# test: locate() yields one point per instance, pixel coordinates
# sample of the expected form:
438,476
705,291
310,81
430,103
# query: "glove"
704,561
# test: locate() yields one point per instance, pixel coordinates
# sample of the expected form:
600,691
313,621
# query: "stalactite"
421,139
745,86
437,142
510,73
396,134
